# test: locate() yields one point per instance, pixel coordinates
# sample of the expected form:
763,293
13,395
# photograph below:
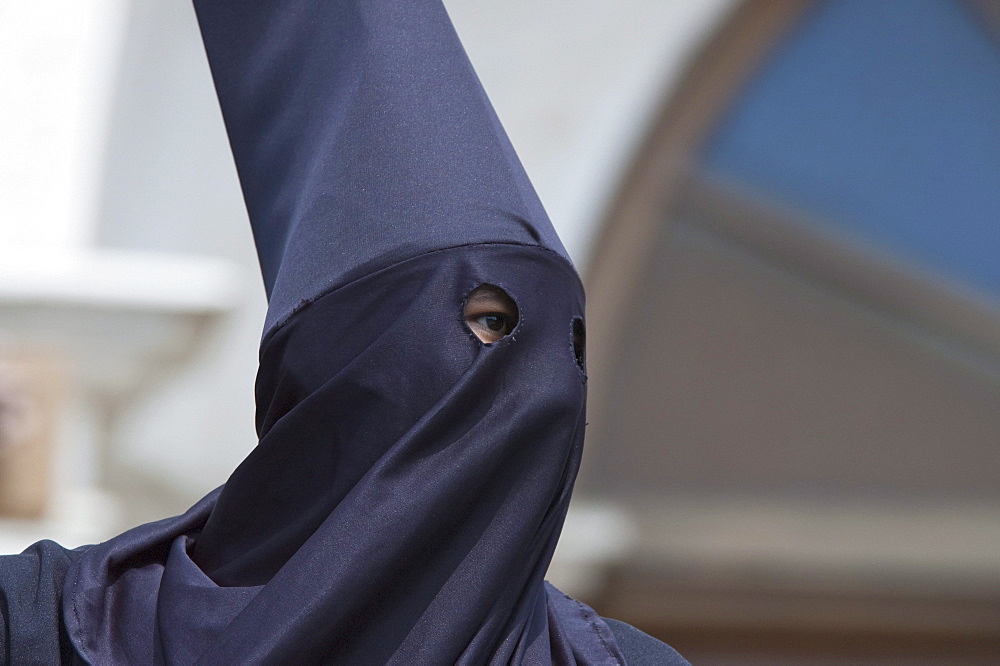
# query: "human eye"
493,325
490,313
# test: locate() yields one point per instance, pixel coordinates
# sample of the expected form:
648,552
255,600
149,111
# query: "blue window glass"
881,118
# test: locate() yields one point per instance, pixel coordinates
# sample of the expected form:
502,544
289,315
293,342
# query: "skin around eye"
490,313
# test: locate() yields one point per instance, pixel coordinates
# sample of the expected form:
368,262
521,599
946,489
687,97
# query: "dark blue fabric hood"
362,137
410,482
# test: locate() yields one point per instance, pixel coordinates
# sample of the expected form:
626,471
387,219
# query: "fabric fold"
410,481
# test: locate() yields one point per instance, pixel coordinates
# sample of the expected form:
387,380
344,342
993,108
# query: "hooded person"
421,391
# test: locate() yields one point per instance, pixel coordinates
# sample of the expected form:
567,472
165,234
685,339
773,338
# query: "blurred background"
787,213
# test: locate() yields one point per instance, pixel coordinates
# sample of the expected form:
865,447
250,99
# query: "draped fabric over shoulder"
410,481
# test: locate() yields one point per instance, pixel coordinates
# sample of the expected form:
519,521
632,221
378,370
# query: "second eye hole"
490,313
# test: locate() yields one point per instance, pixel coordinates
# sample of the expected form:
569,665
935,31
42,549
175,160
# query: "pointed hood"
362,137
410,482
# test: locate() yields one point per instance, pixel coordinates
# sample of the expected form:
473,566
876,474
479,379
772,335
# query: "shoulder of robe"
641,649
31,627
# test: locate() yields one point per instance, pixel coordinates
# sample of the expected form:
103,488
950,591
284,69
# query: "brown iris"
490,313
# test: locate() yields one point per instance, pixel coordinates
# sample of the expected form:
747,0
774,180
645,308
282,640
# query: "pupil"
494,322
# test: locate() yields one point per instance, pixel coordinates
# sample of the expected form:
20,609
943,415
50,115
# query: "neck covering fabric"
410,481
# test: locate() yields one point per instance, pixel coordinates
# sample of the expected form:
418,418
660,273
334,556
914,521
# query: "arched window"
794,320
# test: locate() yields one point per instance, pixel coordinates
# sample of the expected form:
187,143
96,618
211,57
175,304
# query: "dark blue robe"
410,481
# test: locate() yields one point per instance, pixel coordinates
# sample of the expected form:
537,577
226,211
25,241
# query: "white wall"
57,67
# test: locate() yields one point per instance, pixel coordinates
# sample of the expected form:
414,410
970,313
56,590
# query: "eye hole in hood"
579,342
490,313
